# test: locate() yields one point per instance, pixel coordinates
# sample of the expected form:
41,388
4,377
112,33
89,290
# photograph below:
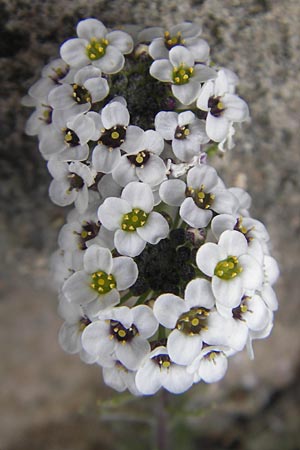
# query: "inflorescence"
161,271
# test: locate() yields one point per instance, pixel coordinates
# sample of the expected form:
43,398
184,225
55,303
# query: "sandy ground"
52,401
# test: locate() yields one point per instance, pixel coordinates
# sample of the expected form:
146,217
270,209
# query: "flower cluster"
161,271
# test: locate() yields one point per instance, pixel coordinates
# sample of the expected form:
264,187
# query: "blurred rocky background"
50,400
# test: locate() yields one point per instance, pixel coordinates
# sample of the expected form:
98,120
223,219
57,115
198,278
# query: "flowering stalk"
162,273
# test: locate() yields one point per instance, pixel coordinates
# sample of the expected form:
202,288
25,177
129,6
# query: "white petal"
139,195
194,216
183,348
152,141
82,199
166,123
98,88
228,292
202,175
89,28
129,243
208,257
154,171
73,52
114,114
77,288
217,128
112,62
180,55
133,137
60,192
124,172
125,272
155,229
186,93
144,320
95,338
172,192
69,337
105,160
224,202
148,378
198,292
176,379
111,211
86,73
132,353
236,109
214,370
167,309
97,259
222,223
256,316
233,243
161,70
123,41
252,274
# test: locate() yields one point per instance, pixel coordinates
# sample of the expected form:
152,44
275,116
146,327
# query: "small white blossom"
70,183
70,332
88,87
70,142
199,197
184,75
223,107
112,130
132,219
190,321
185,34
121,333
97,286
158,370
141,161
96,46
231,267
186,132
210,366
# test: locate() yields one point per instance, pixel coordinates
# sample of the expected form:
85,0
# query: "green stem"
125,297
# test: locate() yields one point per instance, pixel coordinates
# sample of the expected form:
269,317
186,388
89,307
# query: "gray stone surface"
50,400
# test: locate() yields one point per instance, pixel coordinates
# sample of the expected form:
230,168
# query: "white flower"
69,143
39,119
180,70
252,229
190,321
132,219
88,87
232,269
80,232
121,333
97,286
142,161
199,197
210,366
158,370
244,200
112,130
54,73
222,106
96,46
120,378
186,132
70,332
185,34
70,184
